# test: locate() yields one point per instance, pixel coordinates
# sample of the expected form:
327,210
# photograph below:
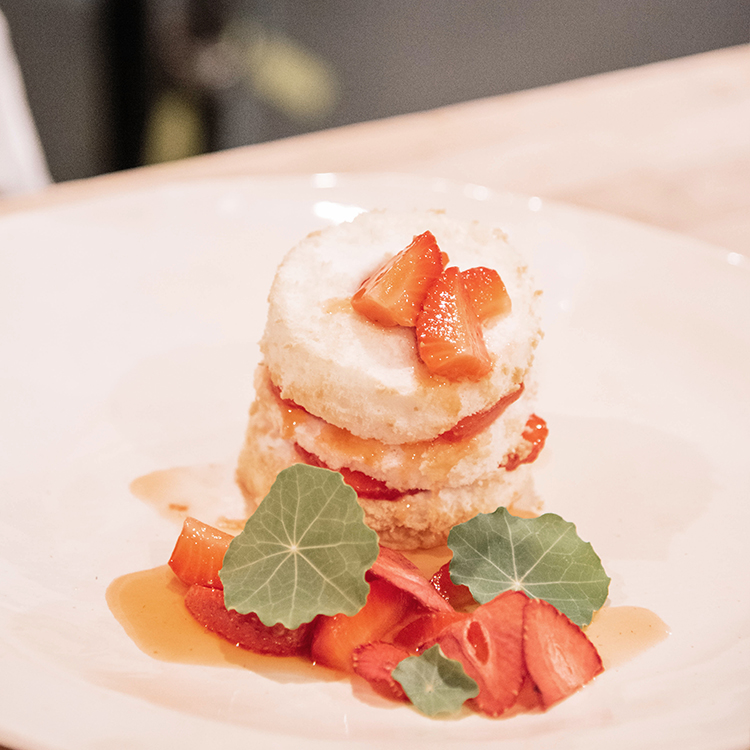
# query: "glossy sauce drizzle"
535,434
208,492
621,633
436,457
149,606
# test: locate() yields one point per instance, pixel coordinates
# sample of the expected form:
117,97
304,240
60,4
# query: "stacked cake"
398,349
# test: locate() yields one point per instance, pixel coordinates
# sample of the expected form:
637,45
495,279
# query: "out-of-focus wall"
82,62
63,62
380,58
113,83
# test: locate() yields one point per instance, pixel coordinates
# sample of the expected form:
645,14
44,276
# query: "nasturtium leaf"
544,557
304,552
434,683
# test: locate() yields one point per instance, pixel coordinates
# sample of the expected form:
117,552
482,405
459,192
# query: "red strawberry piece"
199,554
398,570
559,656
481,420
206,605
459,597
336,637
364,485
393,295
535,434
489,644
449,334
486,291
529,698
375,662
425,629
370,488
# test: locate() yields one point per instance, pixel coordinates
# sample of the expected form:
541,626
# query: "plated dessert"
399,350
395,410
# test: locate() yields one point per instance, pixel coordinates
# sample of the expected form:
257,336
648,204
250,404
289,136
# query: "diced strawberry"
489,644
449,334
559,656
393,295
375,662
395,568
481,420
486,291
425,629
365,486
459,597
206,605
336,637
199,554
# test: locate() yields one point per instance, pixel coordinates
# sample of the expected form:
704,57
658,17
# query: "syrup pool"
149,604
207,492
150,607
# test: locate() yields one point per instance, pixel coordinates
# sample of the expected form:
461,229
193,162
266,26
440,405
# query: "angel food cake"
398,350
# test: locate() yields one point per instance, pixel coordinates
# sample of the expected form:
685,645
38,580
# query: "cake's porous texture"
368,379
419,520
337,390
428,464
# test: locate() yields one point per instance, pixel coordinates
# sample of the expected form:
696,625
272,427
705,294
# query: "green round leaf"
544,557
434,683
304,551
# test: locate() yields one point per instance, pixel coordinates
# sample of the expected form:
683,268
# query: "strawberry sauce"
475,423
150,607
458,438
364,485
464,429
535,433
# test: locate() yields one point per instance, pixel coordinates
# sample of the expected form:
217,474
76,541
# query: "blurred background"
114,84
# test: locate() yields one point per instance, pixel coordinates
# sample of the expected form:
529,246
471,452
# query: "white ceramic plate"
128,333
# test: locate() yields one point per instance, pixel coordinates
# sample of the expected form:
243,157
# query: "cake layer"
368,379
419,520
447,461
424,520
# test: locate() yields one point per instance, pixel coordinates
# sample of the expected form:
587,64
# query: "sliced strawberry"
336,637
206,605
481,420
529,698
489,644
559,656
425,629
375,662
449,334
487,293
393,295
395,568
370,488
365,486
459,597
199,554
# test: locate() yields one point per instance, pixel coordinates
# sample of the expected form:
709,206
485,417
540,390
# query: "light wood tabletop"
666,143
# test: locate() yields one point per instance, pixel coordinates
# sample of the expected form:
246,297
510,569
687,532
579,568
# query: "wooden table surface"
666,143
